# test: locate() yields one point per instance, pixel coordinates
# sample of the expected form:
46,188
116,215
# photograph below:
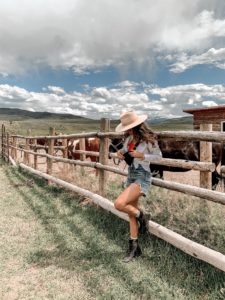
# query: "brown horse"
91,144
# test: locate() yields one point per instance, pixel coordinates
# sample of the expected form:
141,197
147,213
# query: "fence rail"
179,135
192,165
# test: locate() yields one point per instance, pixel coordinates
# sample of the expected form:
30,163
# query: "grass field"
19,122
55,247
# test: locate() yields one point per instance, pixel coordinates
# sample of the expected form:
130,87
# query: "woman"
140,147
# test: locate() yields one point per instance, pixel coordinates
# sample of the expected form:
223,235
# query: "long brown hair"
142,133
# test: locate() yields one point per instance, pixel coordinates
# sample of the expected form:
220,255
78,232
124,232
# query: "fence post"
103,155
3,141
65,153
26,156
50,151
206,155
35,156
82,155
13,152
65,150
82,147
7,143
28,141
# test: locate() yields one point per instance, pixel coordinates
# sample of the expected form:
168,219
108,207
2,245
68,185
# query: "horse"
91,144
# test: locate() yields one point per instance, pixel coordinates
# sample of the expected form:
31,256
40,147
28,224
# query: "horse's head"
115,145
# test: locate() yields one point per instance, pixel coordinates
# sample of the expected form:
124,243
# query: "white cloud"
56,89
105,102
101,93
196,32
209,103
182,97
85,35
183,61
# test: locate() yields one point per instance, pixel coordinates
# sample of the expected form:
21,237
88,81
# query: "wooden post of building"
103,155
50,151
206,155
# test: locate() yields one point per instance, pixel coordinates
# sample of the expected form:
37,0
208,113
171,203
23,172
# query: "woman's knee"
119,205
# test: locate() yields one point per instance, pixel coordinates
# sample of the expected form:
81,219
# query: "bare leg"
128,202
125,201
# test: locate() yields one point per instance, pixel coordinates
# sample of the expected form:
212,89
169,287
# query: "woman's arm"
154,152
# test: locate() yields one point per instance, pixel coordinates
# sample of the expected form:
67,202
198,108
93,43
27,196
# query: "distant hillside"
19,121
18,114
182,123
180,120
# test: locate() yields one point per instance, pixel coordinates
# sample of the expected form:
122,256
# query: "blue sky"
99,58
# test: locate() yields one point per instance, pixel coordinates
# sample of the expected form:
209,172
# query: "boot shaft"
134,250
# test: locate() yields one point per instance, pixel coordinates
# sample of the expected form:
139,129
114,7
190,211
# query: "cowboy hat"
129,120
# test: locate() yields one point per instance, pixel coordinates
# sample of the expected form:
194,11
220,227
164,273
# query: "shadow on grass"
99,248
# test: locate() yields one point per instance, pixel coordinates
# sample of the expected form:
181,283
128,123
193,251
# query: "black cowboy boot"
133,251
143,222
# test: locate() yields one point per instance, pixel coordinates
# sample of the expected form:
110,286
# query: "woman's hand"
137,154
120,155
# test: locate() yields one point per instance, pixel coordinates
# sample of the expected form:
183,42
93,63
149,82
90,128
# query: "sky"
99,58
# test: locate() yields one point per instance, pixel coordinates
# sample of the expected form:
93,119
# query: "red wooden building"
210,115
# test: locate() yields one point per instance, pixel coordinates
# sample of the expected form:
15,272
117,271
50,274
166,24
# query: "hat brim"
121,128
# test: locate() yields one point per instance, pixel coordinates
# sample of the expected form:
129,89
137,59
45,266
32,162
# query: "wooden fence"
10,147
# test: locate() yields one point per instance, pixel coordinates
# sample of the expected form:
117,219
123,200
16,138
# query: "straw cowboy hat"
129,120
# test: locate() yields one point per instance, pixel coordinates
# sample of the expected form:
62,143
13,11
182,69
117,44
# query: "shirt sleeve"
124,149
153,152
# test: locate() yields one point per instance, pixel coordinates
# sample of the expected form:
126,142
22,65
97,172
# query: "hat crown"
128,118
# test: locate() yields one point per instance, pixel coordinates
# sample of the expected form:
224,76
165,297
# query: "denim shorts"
139,176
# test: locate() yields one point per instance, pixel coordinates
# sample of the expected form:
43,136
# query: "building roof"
204,109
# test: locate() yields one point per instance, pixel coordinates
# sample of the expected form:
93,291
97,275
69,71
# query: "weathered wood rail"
192,165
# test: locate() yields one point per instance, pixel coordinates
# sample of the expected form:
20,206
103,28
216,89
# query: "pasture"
58,245
69,125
